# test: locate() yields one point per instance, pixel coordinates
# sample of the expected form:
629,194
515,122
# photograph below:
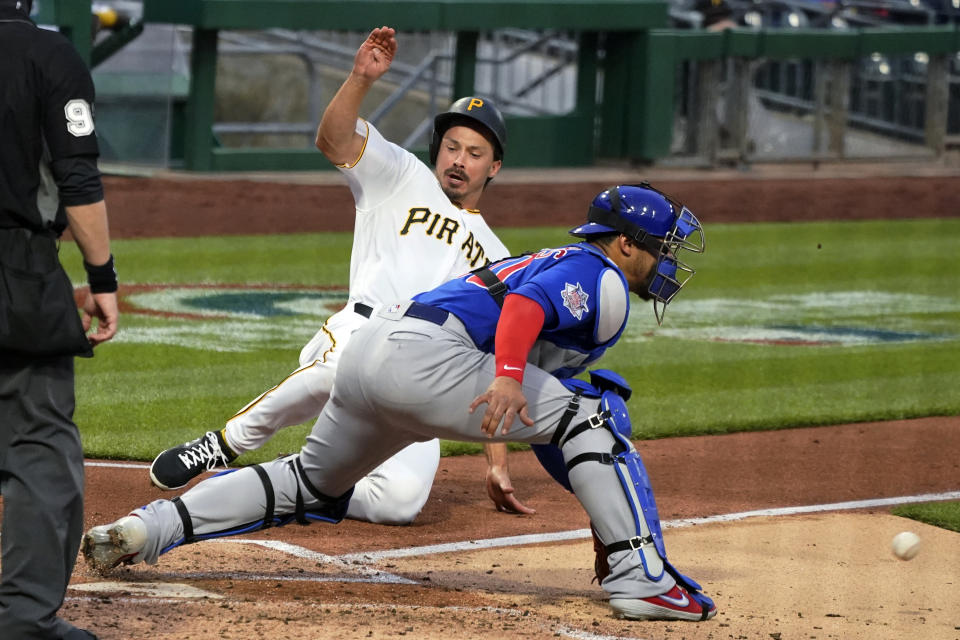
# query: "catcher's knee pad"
602,381
316,506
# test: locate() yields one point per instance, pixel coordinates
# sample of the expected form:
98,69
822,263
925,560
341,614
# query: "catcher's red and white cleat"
676,604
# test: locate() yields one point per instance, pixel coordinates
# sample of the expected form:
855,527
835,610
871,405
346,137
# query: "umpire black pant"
41,483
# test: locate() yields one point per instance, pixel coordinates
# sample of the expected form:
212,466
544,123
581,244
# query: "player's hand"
103,307
500,490
505,402
376,53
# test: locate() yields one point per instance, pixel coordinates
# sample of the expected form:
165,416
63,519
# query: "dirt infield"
822,573
825,574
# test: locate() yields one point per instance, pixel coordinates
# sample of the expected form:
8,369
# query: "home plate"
152,589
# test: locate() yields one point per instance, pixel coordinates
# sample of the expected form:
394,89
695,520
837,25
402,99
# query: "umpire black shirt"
48,147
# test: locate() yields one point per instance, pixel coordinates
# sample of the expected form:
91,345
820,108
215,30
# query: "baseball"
905,545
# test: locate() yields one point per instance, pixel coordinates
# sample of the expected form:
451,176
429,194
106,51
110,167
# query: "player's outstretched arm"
499,487
336,135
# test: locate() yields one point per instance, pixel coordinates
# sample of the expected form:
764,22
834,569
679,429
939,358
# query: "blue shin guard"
628,465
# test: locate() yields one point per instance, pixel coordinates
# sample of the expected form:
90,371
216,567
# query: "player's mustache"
457,174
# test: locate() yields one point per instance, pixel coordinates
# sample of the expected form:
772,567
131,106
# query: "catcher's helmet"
475,109
654,221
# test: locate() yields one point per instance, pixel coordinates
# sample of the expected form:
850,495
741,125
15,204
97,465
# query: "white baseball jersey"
408,237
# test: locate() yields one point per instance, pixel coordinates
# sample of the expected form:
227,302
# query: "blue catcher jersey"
583,294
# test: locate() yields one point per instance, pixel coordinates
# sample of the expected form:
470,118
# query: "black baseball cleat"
177,466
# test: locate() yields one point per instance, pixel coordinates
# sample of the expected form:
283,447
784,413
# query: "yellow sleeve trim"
351,165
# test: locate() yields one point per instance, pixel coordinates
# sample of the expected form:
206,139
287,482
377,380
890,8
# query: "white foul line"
369,574
817,508
352,559
354,562
470,545
115,465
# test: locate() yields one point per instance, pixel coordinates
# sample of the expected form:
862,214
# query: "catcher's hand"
505,402
500,490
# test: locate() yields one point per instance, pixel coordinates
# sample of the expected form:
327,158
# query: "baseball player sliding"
414,228
481,357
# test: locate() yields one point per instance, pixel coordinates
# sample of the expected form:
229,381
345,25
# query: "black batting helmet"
476,109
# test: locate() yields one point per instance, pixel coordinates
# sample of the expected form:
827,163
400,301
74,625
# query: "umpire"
48,180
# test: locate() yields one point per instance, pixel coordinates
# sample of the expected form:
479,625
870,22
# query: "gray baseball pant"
404,380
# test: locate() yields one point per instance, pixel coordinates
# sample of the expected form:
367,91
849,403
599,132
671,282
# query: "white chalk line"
537,538
369,574
355,562
352,559
115,465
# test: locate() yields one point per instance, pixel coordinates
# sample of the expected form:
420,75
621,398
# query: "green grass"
945,515
867,280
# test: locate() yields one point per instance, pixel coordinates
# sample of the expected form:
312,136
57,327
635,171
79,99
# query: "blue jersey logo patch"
575,299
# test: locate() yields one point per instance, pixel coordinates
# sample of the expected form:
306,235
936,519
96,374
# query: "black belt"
426,312
362,309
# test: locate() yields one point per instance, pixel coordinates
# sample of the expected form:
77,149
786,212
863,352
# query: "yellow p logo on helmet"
474,102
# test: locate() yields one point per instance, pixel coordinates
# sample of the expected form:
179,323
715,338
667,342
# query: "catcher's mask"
654,221
471,111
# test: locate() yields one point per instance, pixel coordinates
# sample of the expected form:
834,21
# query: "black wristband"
102,279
